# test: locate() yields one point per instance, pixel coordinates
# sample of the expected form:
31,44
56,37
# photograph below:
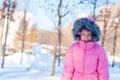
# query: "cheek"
89,38
82,38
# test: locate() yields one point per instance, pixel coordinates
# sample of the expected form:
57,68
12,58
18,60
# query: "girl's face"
86,35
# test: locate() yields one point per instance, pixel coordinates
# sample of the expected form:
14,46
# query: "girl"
85,59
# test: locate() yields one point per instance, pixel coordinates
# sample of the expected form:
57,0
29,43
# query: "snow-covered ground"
37,68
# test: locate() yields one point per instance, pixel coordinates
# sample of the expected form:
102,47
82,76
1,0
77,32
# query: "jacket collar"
86,45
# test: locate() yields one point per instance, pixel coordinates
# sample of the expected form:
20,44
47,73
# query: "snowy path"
40,71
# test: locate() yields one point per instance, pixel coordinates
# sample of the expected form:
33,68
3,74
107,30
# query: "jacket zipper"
84,64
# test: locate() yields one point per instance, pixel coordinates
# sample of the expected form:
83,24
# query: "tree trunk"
6,34
23,36
114,42
58,40
104,32
94,9
59,31
2,27
114,45
54,62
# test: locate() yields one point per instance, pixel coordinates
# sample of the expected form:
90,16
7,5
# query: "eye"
82,34
86,34
89,34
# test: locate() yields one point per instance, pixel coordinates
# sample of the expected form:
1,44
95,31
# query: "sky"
40,17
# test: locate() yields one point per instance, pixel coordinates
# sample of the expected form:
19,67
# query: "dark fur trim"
84,23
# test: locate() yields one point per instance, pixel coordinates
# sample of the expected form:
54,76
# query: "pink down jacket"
85,61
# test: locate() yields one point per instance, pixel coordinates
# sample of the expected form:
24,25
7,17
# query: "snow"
37,68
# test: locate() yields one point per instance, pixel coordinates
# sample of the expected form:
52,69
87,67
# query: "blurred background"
35,34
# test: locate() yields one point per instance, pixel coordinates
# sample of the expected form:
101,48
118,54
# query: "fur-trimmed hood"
86,23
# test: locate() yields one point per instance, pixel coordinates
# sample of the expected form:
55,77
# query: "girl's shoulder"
98,46
100,49
74,44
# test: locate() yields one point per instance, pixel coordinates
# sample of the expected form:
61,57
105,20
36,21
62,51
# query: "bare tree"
110,29
104,17
95,5
115,39
58,12
3,15
10,10
116,21
30,37
25,25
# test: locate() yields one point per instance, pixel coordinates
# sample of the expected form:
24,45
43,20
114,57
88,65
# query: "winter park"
53,39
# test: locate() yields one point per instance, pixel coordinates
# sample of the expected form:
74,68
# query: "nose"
86,38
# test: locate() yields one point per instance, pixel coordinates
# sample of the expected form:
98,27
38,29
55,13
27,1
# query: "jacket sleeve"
68,66
102,69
